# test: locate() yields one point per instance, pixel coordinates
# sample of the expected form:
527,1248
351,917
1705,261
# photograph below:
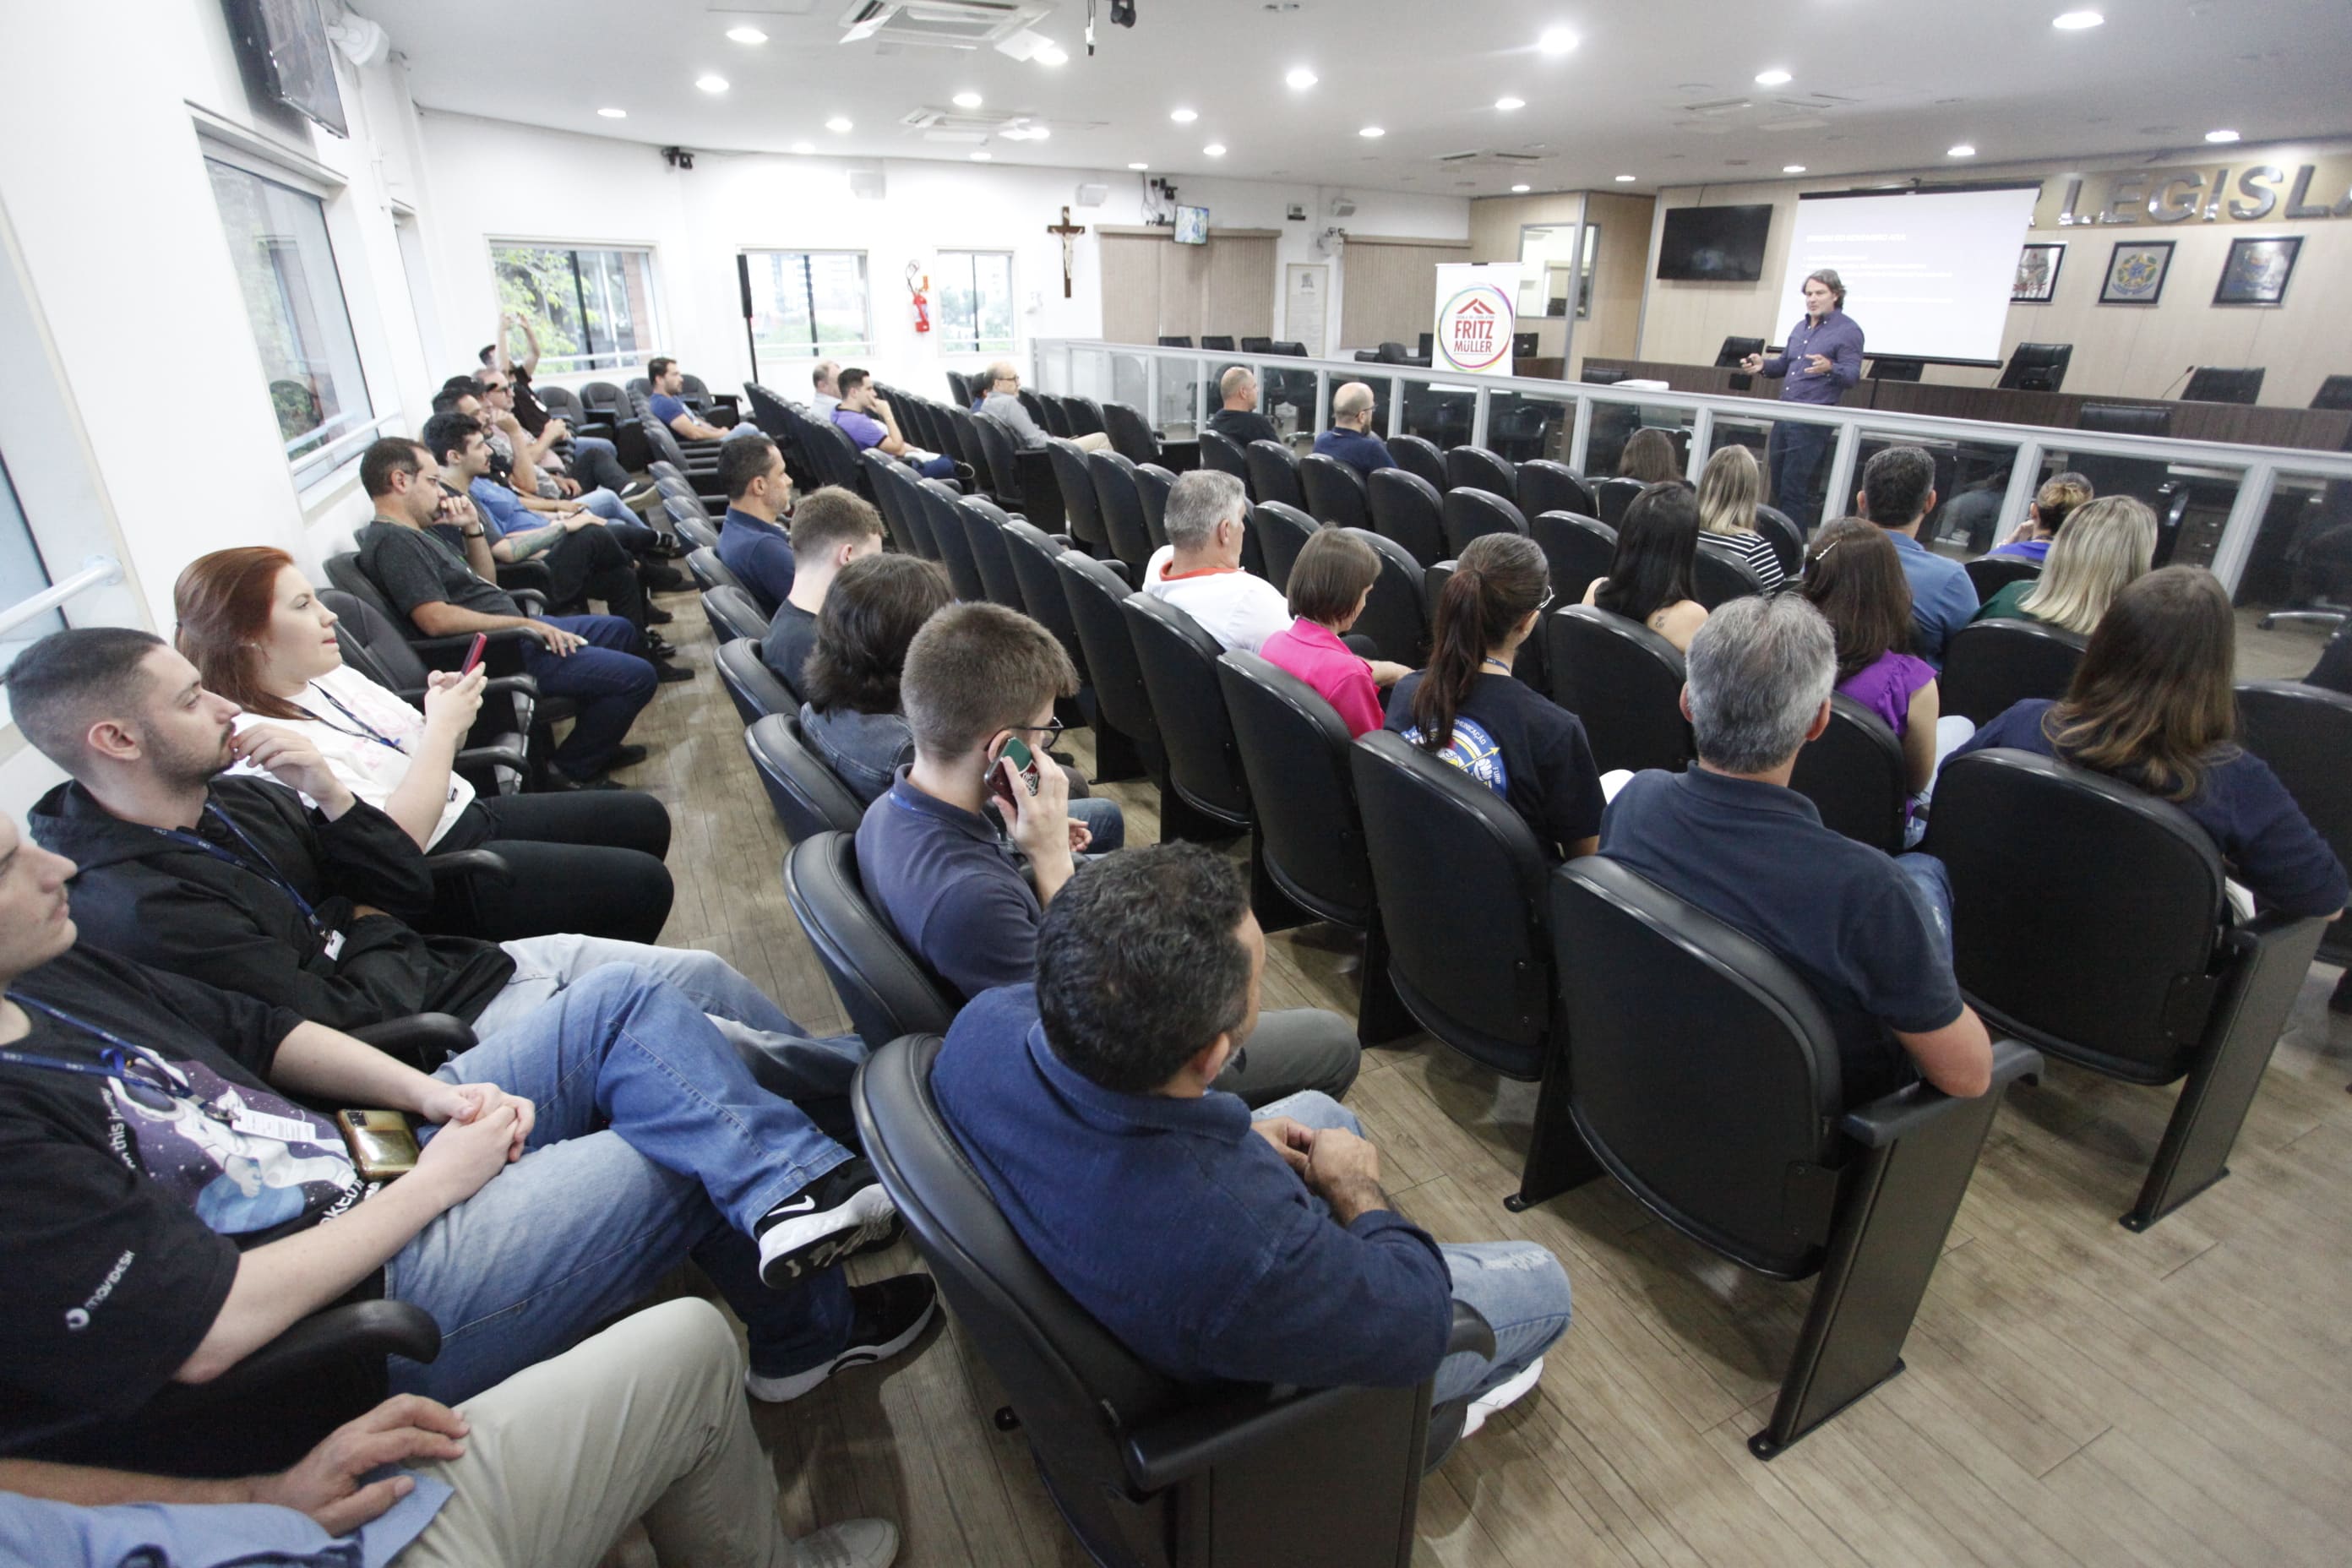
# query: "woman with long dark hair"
2152,704
1649,578
1467,708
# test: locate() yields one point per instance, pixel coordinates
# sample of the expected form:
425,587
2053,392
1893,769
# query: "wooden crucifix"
1068,233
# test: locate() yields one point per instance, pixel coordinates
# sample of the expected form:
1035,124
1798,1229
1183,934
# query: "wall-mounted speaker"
868,184
1092,195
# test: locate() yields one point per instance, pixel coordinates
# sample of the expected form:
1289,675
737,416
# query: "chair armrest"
1119,569
475,763
325,1339
1886,1119
423,1040
529,601
1470,1332
468,864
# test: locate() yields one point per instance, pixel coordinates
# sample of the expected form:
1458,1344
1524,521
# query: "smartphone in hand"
1016,751
474,654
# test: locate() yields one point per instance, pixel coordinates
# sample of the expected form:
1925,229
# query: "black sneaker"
812,1228
626,757
671,674
886,1317
661,579
658,617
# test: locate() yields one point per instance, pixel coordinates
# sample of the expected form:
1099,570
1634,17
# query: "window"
808,304
294,300
22,573
975,301
591,310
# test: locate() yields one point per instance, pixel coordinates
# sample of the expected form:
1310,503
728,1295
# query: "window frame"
623,360
864,348
1011,343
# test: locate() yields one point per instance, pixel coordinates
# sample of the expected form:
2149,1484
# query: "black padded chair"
1085,417
1179,661
1153,484
1120,506
1546,486
1335,491
2089,920
499,742
1467,513
709,572
1394,615
1578,549
1130,435
502,653
1220,344
1991,574
1410,511
1092,594
1222,453
983,533
1281,531
1787,539
1077,482
1273,474
1459,878
1700,1072
751,686
809,798
2125,419
1988,665
1052,415
883,987
1719,574
1175,342
733,614
1480,470
1002,471
1856,777
1416,454
1625,682
2037,367
2305,733
2335,392
2210,384
1146,1473
898,497
943,510
1613,495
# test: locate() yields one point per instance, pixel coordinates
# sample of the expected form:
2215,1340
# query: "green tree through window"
592,309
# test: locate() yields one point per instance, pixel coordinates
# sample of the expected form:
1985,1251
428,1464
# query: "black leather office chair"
1130,435
883,988
1418,456
808,797
751,684
2208,383
1698,1070
1467,513
1576,548
1204,766
1856,777
732,614
1152,485
1273,474
1735,350
1612,496
709,572
1884,369
1335,491
1394,615
2335,392
2126,418
1173,343
2089,921
1991,574
1459,880
1546,486
983,534
1222,453
2304,733
1479,469
2036,367
1120,506
1146,1473
1079,508
1988,665
1280,533
1224,344
1625,682
1408,509
1720,573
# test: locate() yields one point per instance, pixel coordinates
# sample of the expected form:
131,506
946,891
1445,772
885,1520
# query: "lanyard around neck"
120,1061
267,870
366,732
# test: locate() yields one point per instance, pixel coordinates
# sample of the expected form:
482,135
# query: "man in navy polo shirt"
1821,359
1213,1244
1351,437
1871,935
1898,492
949,881
751,543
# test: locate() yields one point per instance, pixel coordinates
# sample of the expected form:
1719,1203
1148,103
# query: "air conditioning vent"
940,24
1489,160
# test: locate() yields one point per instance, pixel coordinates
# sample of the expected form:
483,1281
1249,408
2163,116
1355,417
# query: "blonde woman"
2059,497
1728,491
2105,546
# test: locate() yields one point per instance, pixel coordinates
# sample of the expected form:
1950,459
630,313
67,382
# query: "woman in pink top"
1329,584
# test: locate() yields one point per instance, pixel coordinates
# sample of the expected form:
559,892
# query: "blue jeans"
1933,883
1103,819
609,680
937,468
652,1146
1795,453
1517,1286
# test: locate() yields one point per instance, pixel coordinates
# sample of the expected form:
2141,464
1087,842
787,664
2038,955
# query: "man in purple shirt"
1823,357
869,422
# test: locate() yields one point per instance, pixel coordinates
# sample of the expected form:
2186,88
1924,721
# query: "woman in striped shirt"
1728,493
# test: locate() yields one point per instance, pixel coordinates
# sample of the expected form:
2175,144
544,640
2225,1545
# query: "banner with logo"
1476,312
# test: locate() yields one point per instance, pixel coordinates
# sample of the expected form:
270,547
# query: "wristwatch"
477,532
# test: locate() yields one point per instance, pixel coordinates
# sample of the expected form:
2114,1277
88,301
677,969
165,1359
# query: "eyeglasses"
1545,603
1052,730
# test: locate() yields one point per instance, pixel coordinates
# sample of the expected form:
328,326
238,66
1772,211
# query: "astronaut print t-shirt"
1523,746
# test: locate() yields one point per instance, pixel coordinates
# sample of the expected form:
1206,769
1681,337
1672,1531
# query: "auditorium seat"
501,655
1787,541
1855,776
983,533
2089,920
807,795
1119,505
942,506
902,512
1094,594
1417,456
1698,1070
1179,661
1056,419
1393,616
2305,733
1281,531
1613,495
732,614
709,572
1130,433
883,987
1468,513
498,749
1222,453
1406,508
1335,491
1625,681
1273,474
1175,342
1217,344
1576,548
1085,417
1991,574
1547,485
1988,665
1000,474
1153,484
754,688
1481,469
1077,482
1720,573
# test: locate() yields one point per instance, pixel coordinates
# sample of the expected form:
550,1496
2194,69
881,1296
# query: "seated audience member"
666,1439
595,461
2152,704
1001,401
2106,543
536,469
1468,709
667,381
1329,584
1854,579
946,879
1649,576
1871,935
2059,496
1238,418
851,716
592,659
1728,493
233,881
1214,1256
753,543
1351,437
1898,492
1648,456
253,626
1199,570
826,387
831,528
569,1162
869,422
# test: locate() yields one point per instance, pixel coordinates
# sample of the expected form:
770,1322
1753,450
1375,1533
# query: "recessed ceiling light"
982,157
614,114
1139,168
1792,168
711,83
1557,41
1774,78
1372,133
1215,150
1521,190
1625,179
1962,150
1183,116
966,101
1053,55
803,148
1301,80
838,124
2220,136
1509,104
2075,21
747,36
1040,134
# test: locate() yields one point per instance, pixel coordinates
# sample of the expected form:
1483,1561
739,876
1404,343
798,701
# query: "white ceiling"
1910,78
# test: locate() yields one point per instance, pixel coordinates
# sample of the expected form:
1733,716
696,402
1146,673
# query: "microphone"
2177,380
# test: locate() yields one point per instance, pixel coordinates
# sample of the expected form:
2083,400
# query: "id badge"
261,1124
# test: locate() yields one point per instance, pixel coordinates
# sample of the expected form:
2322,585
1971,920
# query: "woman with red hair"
586,861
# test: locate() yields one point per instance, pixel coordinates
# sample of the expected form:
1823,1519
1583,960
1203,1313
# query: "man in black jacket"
1239,417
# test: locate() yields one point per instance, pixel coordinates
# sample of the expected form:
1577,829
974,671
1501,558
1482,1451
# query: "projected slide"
1927,274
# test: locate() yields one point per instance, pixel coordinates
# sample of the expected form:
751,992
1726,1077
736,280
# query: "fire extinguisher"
919,289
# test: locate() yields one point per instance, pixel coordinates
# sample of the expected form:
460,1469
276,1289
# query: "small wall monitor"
1192,225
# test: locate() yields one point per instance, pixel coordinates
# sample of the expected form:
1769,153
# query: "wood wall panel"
1390,293
1130,287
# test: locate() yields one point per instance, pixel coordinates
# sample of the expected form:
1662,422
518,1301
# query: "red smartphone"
474,654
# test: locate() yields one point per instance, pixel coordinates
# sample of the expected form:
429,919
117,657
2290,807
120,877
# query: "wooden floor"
2075,1393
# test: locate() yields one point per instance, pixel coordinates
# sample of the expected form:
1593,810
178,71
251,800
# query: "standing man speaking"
1823,357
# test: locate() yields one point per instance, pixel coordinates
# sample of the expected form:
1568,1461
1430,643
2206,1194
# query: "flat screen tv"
1714,244
1192,225
283,47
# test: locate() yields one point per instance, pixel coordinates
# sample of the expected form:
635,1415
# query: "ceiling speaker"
1092,195
868,184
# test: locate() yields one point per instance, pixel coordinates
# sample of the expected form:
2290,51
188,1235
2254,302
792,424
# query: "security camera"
677,157
1122,12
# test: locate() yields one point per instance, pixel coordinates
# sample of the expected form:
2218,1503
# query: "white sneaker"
839,1211
853,1544
1502,1394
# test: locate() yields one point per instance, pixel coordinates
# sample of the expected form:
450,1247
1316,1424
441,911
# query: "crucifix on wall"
1068,233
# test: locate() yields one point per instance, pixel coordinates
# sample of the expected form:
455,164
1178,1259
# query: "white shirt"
1239,610
369,769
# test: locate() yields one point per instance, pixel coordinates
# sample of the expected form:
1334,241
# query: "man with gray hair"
1199,570
1239,421
1351,437
1871,935
1001,401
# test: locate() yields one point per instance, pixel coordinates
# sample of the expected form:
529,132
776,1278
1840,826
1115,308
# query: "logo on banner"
1474,329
